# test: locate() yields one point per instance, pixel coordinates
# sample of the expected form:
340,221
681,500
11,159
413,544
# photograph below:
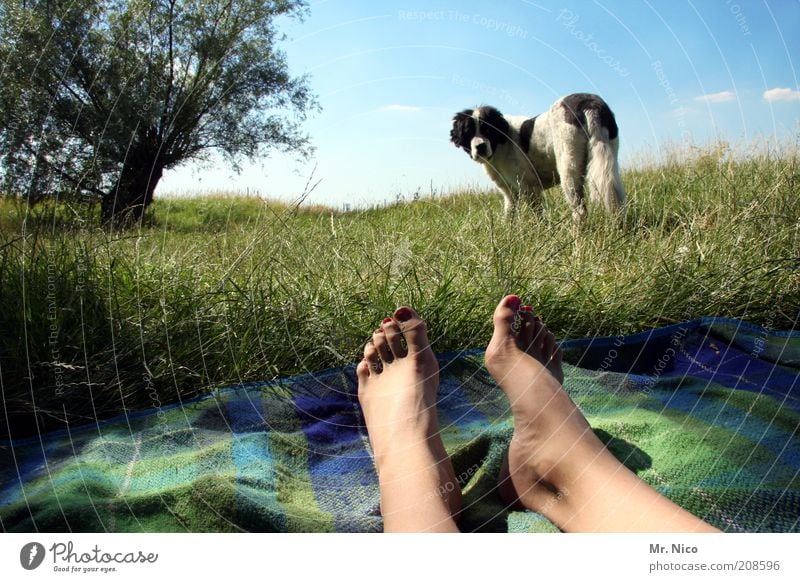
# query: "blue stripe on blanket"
690,349
255,468
335,431
456,408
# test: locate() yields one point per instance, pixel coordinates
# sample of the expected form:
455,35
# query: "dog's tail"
605,184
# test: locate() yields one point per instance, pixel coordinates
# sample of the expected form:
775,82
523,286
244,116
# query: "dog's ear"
494,125
503,125
463,129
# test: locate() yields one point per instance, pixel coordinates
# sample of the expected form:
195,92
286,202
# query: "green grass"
219,290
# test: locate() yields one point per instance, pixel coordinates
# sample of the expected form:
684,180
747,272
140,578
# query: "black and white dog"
574,142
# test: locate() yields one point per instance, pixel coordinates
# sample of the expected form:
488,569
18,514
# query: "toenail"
527,308
403,314
513,302
387,320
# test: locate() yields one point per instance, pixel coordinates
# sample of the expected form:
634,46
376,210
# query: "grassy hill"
219,290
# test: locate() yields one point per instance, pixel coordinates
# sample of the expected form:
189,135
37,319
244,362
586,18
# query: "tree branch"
164,110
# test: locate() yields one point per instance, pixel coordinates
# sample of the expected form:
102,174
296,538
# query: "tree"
98,98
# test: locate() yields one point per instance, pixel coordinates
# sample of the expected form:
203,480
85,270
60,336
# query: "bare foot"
556,465
397,383
525,361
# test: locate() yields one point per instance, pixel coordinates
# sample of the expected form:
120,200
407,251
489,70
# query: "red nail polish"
403,314
527,308
513,302
387,320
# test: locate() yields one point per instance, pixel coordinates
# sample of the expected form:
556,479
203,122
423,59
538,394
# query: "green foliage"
98,98
219,290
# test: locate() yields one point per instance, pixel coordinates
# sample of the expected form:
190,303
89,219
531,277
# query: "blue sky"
390,75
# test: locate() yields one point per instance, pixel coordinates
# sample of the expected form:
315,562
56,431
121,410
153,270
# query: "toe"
373,359
538,336
381,344
548,345
557,356
555,364
413,329
505,316
394,338
362,373
527,330
505,337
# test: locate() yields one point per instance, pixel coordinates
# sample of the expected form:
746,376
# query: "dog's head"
479,131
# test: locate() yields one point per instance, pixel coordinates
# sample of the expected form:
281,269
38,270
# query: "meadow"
216,290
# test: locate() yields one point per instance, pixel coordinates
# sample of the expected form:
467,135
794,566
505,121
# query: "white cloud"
401,108
720,97
781,94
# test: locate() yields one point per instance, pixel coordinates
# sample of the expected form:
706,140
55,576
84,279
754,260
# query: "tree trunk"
124,206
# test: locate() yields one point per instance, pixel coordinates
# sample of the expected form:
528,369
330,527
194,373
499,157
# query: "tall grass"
220,290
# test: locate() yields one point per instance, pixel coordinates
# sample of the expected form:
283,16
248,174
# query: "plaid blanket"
707,412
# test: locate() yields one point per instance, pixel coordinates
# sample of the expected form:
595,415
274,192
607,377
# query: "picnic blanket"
707,412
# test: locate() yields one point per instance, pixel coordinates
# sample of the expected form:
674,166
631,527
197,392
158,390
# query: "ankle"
404,451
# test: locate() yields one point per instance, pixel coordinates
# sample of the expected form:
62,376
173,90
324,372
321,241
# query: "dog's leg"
511,195
509,203
507,189
571,166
